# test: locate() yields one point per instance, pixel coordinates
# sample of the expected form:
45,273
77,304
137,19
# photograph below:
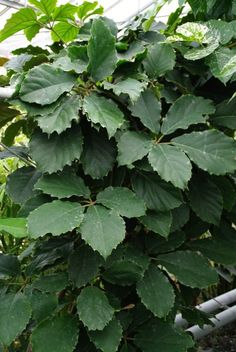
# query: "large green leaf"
87,9
211,150
9,266
108,339
123,201
158,335
45,6
159,223
129,86
101,51
133,146
22,19
222,63
157,194
160,59
187,110
156,292
104,112
205,199
43,304
53,153
98,154
190,268
44,84
156,244
225,29
61,118
171,164
84,265
148,109
59,332
15,226
56,218
94,309
64,12
63,185
7,113
102,229
225,114
15,312
64,31
227,189
51,283
20,184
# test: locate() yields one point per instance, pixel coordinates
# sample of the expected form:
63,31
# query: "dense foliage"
126,200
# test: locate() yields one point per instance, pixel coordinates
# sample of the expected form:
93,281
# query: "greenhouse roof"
120,11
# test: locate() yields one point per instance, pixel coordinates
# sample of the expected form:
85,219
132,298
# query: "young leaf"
186,111
123,201
211,150
104,112
108,339
15,313
129,86
64,12
190,268
102,229
94,309
160,59
88,8
159,223
45,6
64,31
15,226
101,51
171,164
222,64
148,109
56,218
63,185
59,328
22,19
133,146
49,157
157,194
9,266
156,292
44,84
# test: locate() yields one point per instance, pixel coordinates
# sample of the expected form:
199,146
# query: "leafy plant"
127,197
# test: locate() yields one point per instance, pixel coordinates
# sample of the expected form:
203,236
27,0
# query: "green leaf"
123,272
156,244
32,31
63,185
52,154
98,154
56,218
156,292
64,31
190,268
227,190
180,217
123,201
211,150
171,164
88,8
225,114
148,109
102,229
22,19
158,335
109,338
84,265
160,59
205,199
20,184
158,222
59,328
61,118
101,51
43,305
44,84
12,131
7,113
94,309
9,266
225,29
51,283
64,12
129,86
222,64
157,194
186,111
15,226
133,146
15,313
45,6
32,204
104,112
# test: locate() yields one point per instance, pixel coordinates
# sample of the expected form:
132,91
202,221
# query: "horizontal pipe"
6,92
220,320
12,4
210,306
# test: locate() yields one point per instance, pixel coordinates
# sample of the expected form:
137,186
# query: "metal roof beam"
12,4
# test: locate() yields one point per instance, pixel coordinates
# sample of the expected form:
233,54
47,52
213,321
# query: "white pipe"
213,304
221,319
6,92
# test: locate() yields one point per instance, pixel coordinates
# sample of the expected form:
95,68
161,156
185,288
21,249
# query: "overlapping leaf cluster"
127,200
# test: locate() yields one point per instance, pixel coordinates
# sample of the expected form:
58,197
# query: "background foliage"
124,198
